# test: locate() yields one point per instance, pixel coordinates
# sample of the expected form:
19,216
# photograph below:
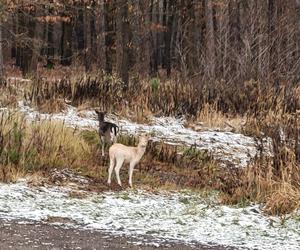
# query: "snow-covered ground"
179,216
225,146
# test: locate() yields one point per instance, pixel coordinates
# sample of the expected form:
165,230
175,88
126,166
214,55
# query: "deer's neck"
140,152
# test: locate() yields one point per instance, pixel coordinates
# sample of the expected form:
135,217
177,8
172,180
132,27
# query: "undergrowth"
273,181
27,147
257,108
169,97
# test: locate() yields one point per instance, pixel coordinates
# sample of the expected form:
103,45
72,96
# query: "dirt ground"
18,235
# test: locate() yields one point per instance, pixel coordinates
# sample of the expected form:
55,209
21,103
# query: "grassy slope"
38,148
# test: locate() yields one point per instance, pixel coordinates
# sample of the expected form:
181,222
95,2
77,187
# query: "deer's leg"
113,138
131,167
102,144
111,167
117,169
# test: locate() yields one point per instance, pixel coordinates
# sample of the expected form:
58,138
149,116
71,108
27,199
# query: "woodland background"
205,40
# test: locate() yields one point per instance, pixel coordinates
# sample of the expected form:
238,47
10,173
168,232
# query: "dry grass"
52,106
280,195
275,181
254,108
37,148
31,147
210,117
8,97
171,97
162,164
237,107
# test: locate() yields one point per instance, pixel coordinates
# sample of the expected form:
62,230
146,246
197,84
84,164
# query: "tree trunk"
210,39
87,39
36,44
100,35
271,35
144,56
122,40
168,35
19,49
155,37
190,38
26,25
79,29
49,38
66,44
109,41
1,54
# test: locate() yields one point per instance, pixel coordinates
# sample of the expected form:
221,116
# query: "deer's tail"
116,130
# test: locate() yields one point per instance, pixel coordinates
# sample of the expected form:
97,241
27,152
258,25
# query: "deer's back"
118,150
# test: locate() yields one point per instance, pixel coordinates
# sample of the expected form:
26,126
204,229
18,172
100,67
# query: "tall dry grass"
169,97
279,192
27,147
37,146
270,110
273,181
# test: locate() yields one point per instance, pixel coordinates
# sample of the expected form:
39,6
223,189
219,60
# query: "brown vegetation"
217,62
42,146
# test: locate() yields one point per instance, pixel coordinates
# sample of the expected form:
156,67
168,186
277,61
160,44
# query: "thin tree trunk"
100,35
235,40
108,28
37,44
271,34
168,36
49,39
87,39
210,39
155,38
144,42
191,38
26,46
66,44
1,54
19,49
122,42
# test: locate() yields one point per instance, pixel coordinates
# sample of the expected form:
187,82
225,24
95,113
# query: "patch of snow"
17,80
165,216
230,147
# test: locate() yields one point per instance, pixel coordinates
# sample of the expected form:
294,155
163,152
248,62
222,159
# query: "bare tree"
100,17
122,41
87,38
66,41
210,39
225,39
168,34
1,53
144,56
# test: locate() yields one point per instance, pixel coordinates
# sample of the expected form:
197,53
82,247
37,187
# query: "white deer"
119,153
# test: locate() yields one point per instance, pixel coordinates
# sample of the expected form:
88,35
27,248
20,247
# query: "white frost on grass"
164,216
224,146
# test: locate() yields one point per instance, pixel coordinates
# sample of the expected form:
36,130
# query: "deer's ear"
145,135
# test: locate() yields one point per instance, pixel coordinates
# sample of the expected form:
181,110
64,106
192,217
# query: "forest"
228,40
214,83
